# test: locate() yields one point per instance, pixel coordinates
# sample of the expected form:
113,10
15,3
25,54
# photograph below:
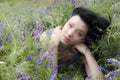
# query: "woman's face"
74,31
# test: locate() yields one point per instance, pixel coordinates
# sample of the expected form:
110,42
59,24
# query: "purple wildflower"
113,74
117,28
2,27
40,26
75,3
111,77
118,51
47,12
101,1
116,72
36,35
19,77
49,7
50,55
8,37
40,11
23,33
102,69
23,76
53,4
39,48
89,76
0,43
29,57
53,74
52,64
19,26
50,52
40,58
114,61
85,2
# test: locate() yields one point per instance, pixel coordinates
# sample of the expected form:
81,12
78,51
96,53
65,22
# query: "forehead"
78,22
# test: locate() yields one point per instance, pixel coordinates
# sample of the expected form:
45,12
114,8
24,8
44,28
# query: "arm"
91,64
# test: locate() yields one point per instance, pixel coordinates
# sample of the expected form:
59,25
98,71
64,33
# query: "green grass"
25,14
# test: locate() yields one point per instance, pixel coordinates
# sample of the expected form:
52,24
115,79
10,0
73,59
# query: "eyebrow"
78,29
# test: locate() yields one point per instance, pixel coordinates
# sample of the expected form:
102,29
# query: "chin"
66,44
63,42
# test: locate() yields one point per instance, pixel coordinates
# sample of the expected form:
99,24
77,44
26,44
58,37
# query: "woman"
75,37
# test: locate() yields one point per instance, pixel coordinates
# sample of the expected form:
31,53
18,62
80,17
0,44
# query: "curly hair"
97,25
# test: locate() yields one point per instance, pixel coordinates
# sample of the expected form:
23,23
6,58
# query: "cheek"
78,39
75,42
62,34
64,30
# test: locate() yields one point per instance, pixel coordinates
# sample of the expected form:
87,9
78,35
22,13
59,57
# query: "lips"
66,39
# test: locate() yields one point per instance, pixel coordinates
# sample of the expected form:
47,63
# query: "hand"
82,48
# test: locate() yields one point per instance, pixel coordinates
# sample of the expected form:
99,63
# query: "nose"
70,33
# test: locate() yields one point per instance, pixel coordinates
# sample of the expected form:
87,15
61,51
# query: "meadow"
22,22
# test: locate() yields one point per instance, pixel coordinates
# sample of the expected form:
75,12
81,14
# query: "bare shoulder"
56,34
57,29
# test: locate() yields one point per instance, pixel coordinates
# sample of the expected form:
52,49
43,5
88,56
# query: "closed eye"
79,34
70,25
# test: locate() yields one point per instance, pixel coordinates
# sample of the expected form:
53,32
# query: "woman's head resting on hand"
83,26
